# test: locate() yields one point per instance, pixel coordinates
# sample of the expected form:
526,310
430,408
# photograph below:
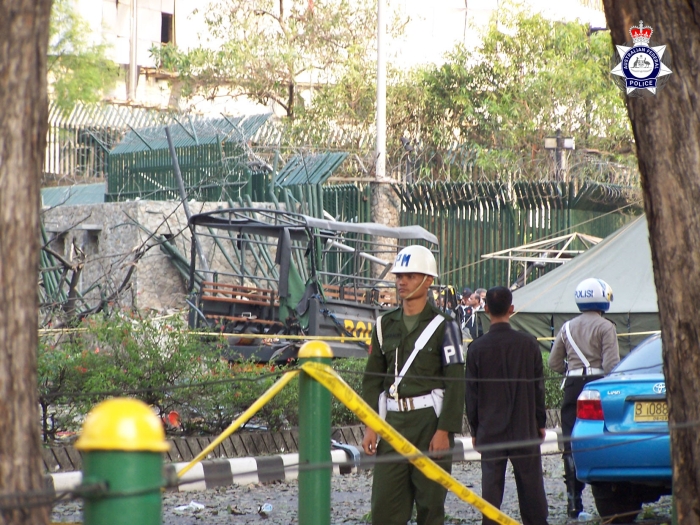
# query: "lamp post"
560,145
380,148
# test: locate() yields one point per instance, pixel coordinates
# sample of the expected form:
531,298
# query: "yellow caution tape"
341,338
325,375
628,334
43,331
245,416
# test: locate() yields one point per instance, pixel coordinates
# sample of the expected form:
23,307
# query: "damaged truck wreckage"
271,273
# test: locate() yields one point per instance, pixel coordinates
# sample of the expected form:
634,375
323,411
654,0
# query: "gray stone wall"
106,238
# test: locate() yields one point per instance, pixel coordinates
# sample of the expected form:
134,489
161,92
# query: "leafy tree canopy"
482,112
528,78
264,49
79,70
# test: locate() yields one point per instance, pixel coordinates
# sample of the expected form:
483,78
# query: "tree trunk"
667,132
24,28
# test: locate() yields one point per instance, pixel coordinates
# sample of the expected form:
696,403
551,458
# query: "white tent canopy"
623,260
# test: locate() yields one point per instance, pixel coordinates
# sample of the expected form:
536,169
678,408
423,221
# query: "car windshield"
645,359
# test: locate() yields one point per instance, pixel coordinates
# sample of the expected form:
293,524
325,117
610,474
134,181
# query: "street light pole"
133,56
560,144
561,157
380,152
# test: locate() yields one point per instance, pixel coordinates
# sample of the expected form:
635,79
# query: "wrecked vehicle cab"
261,275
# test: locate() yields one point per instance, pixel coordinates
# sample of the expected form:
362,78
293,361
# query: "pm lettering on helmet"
402,259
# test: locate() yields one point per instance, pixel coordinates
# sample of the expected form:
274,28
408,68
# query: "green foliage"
114,356
553,394
164,365
529,77
484,112
351,370
264,48
79,70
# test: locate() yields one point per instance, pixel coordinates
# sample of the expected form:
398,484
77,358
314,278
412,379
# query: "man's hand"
369,442
543,433
440,442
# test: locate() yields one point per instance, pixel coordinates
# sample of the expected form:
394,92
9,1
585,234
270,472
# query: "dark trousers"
398,484
527,468
573,385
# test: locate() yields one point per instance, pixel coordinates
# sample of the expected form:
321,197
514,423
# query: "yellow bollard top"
315,349
122,424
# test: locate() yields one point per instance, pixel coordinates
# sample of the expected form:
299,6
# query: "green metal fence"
78,143
212,153
348,202
473,219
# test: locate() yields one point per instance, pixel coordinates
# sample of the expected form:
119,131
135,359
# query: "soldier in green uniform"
415,375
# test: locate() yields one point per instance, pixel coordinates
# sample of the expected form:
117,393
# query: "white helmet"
593,295
415,259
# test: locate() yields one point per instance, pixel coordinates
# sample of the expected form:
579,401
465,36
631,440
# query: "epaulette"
392,311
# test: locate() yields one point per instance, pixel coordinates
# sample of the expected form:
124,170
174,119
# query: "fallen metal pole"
183,197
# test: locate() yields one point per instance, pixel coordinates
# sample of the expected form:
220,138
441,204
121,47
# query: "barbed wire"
26,499
547,237
282,369
200,384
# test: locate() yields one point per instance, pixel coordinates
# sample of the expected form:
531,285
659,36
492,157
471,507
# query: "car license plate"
650,411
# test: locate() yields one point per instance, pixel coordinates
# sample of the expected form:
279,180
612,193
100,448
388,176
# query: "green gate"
213,158
473,219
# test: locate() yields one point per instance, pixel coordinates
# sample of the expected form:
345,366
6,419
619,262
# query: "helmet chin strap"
417,288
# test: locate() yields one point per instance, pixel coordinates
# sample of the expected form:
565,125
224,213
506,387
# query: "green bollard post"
314,440
122,444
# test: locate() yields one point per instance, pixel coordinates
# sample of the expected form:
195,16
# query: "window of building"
166,28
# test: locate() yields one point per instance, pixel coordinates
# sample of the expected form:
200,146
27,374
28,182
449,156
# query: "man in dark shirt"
505,409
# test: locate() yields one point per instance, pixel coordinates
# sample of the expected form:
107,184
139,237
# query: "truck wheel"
616,498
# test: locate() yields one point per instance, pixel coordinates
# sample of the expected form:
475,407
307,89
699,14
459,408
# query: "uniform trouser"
397,485
573,385
529,481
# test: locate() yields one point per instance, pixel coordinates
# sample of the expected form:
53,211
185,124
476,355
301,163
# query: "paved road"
351,501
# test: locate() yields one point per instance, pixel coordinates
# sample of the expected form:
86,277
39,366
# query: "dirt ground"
350,501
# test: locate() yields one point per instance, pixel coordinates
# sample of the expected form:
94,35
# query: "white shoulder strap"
379,330
582,357
422,340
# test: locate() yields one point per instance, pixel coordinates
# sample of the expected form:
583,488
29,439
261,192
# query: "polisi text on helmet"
593,295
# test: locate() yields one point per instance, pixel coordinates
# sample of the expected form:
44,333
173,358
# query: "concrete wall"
109,240
107,237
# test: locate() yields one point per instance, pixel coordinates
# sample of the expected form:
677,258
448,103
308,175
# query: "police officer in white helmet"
584,350
415,378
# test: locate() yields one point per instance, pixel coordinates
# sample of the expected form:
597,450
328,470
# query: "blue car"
620,442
